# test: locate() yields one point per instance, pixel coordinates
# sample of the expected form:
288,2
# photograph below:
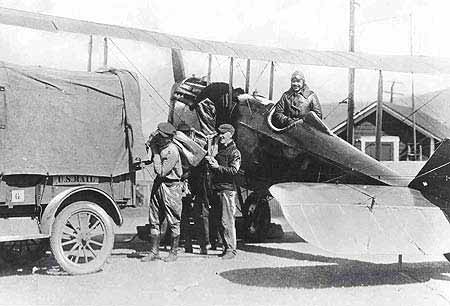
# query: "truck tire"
82,238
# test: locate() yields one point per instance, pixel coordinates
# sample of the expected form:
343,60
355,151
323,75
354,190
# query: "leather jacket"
229,159
293,106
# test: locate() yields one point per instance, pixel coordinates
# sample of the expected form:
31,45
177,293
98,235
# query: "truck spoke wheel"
82,238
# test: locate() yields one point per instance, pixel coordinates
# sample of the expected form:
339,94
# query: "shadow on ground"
336,272
125,245
46,265
286,237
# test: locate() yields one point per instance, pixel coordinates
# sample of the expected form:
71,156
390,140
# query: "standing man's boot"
188,248
203,250
173,250
188,242
229,254
203,245
154,249
204,235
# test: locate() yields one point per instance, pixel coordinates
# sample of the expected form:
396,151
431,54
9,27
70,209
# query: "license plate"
17,196
74,180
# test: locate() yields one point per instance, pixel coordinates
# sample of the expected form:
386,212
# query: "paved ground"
287,271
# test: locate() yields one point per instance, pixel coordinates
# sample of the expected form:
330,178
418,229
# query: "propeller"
178,75
178,66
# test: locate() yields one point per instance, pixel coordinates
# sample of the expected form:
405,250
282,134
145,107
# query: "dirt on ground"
286,271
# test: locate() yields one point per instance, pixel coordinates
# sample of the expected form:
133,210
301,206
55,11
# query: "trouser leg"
214,220
228,229
201,213
186,229
155,218
156,210
173,207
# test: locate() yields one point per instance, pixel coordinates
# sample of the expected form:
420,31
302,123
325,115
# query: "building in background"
432,126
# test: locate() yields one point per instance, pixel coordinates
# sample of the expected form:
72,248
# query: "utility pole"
89,64
379,117
247,77
272,70
391,92
208,78
413,106
105,51
230,86
391,99
351,77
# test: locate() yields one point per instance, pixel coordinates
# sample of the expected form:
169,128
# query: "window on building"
389,147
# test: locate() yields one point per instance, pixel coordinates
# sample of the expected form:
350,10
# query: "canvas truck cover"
55,122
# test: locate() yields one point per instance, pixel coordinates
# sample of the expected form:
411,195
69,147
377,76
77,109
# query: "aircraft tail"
433,180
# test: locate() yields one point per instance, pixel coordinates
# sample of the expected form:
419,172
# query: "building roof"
335,114
335,117
435,104
423,119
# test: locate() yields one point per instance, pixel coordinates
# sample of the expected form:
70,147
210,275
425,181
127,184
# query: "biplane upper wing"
364,219
343,59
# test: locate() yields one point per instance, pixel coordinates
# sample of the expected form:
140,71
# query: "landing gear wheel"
21,252
258,216
82,238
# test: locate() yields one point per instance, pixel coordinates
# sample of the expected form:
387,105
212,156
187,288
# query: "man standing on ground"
225,166
165,201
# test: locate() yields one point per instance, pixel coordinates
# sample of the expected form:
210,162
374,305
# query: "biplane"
332,194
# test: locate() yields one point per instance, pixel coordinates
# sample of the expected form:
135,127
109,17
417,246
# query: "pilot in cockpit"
296,102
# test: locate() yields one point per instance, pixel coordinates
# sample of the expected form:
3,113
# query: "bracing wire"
161,109
218,63
240,69
140,73
257,80
260,74
333,110
423,105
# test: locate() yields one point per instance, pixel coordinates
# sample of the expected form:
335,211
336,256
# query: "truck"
70,145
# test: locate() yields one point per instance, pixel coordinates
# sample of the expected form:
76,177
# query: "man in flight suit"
224,167
296,102
165,201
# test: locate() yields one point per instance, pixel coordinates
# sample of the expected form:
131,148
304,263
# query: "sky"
382,27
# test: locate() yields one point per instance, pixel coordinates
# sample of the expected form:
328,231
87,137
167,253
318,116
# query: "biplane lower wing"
364,219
